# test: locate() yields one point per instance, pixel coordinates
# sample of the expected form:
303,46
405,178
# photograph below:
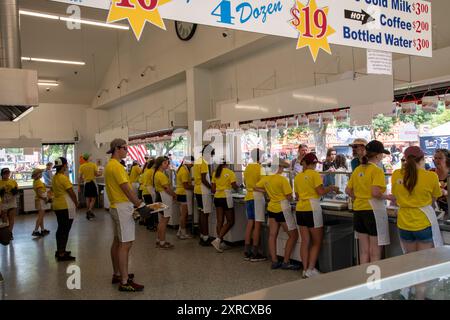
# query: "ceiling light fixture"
69,19
49,83
23,114
79,63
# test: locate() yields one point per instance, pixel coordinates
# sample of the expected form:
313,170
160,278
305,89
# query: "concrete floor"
190,271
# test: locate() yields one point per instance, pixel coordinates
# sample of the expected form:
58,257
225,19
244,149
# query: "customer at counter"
279,191
48,175
148,193
202,191
308,190
329,166
184,194
252,174
366,187
9,189
164,194
134,176
441,160
359,151
223,181
296,166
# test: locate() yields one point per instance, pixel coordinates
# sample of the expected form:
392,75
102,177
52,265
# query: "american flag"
138,152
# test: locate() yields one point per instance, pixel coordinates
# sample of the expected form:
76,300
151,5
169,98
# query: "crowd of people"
414,191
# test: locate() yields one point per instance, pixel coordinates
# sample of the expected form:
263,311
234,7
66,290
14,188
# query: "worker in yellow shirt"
223,181
309,188
164,194
9,189
134,176
88,172
41,200
252,174
202,191
141,176
367,187
64,205
279,191
184,192
148,193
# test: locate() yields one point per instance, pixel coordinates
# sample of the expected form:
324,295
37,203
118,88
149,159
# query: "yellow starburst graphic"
137,12
312,25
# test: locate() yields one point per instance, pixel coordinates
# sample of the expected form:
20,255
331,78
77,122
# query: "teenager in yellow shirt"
41,200
9,189
279,191
184,190
147,190
134,176
308,190
88,173
223,181
165,194
252,174
366,183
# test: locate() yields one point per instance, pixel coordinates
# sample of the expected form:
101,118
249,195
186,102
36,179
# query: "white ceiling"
97,46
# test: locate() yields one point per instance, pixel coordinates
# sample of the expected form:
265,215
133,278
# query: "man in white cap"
359,151
122,199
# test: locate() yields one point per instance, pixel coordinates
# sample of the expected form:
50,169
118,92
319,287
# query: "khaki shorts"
40,204
123,222
6,206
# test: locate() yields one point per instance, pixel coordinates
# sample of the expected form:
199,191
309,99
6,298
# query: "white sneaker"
304,274
312,273
179,233
216,244
184,236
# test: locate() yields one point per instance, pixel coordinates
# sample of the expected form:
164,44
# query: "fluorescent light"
23,114
80,63
95,23
82,21
38,14
48,84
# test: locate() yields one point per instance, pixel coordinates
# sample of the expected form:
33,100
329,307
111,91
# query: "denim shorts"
425,235
250,206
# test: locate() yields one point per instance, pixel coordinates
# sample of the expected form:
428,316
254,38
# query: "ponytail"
219,169
411,173
369,155
158,163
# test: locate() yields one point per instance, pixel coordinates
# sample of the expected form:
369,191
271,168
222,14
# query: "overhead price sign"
400,26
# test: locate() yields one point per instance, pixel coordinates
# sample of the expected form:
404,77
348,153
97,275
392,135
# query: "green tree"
381,124
163,148
418,118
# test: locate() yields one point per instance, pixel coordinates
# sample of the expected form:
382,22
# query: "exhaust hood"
18,92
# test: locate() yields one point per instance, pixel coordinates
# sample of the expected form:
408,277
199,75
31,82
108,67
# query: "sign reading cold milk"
401,26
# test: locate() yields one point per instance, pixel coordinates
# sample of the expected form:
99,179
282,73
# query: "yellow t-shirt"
252,175
362,180
60,185
141,180
147,180
161,180
134,174
183,176
410,217
8,185
88,171
200,166
227,177
115,175
39,188
277,188
305,184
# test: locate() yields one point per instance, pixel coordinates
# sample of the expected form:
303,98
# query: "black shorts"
221,203
305,219
279,217
364,222
148,199
181,198
158,197
199,199
90,190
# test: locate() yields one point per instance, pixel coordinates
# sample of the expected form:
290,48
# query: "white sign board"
401,26
379,62
408,132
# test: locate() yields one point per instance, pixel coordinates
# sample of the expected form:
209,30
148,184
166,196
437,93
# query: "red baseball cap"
310,158
414,151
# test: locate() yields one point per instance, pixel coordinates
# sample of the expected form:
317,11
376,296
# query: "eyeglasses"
355,146
124,148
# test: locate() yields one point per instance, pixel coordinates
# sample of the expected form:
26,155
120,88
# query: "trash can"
337,246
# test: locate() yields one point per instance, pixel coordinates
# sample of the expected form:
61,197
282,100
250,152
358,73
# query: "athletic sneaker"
67,253
166,245
130,286
184,236
304,274
204,243
216,245
224,246
45,232
257,258
36,234
312,273
289,266
247,256
66,257
276,265
116,278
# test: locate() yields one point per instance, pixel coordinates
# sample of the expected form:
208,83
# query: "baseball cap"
86,156
36,172
376,147
414,151
310,158
59,162
358,141
115,144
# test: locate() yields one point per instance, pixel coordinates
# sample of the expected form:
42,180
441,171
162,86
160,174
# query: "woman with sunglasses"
441,160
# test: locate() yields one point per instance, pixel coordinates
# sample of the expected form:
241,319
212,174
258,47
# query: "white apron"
190,201
382,221
288,216
437,236
71,207
260,206
168,201
317,213
207,199
229,197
